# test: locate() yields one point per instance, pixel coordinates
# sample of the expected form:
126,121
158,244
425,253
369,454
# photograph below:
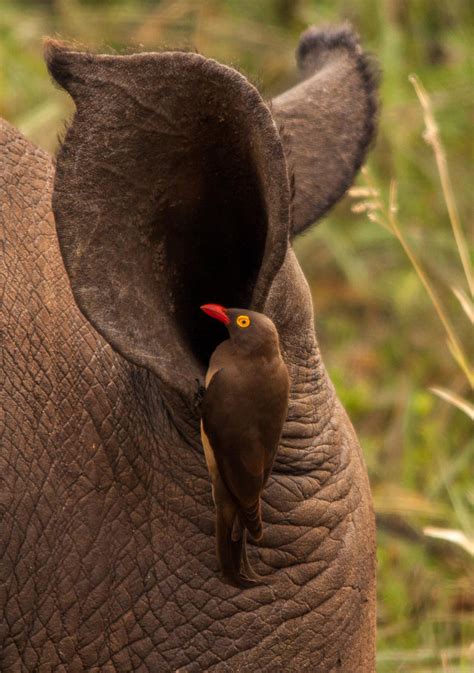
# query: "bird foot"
245,582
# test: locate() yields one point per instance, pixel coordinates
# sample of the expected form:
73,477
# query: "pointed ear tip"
53,48
59,58
317,41
320,39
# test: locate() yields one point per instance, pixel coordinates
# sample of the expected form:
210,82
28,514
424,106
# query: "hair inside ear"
213,247
171,192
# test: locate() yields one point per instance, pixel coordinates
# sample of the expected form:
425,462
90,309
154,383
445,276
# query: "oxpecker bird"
244,408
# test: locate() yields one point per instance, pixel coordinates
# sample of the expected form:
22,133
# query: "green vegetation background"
382,342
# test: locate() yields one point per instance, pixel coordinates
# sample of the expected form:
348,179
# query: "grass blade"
455,400
451,535
466,303
432,137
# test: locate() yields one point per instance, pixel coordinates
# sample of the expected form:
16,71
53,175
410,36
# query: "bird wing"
218,359
235,439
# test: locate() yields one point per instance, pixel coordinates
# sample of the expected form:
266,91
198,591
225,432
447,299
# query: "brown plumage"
244,408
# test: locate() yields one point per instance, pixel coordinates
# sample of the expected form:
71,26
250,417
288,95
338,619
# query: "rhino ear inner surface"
171,191
328,121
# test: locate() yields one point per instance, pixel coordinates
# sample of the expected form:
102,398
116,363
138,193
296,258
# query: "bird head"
248,330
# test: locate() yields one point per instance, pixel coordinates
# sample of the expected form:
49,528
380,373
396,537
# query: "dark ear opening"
328,121
171,191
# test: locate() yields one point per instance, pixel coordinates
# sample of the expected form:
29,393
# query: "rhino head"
176,185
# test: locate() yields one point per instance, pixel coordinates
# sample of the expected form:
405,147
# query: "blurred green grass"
381,340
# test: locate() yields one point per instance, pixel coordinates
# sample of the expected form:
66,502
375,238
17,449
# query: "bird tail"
231,536
231,550
251,518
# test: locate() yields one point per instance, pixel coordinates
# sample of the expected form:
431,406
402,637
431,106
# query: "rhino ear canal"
171,191
328,121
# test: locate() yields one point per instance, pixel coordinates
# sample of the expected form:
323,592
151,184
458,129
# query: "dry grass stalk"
432,137
451,535
387,217
455,400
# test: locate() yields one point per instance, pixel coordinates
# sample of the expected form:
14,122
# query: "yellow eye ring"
243,321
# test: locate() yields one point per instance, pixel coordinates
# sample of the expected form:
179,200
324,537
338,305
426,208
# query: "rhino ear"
328,121
171,191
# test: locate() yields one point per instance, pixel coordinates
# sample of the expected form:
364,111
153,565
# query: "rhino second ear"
171,191
328,121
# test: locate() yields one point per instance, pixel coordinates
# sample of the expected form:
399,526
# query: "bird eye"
243,321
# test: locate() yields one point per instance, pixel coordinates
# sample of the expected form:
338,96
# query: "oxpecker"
244,407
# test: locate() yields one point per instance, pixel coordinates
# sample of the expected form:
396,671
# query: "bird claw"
245,582
251,574
199,394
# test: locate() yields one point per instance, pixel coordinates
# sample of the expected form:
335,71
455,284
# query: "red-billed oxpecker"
244,408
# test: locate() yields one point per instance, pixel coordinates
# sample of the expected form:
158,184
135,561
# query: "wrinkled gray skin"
174,188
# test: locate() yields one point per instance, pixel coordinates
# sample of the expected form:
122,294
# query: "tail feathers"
231,552
232,523
251,518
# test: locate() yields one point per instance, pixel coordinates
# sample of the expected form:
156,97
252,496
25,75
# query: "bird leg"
237,529
250,572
